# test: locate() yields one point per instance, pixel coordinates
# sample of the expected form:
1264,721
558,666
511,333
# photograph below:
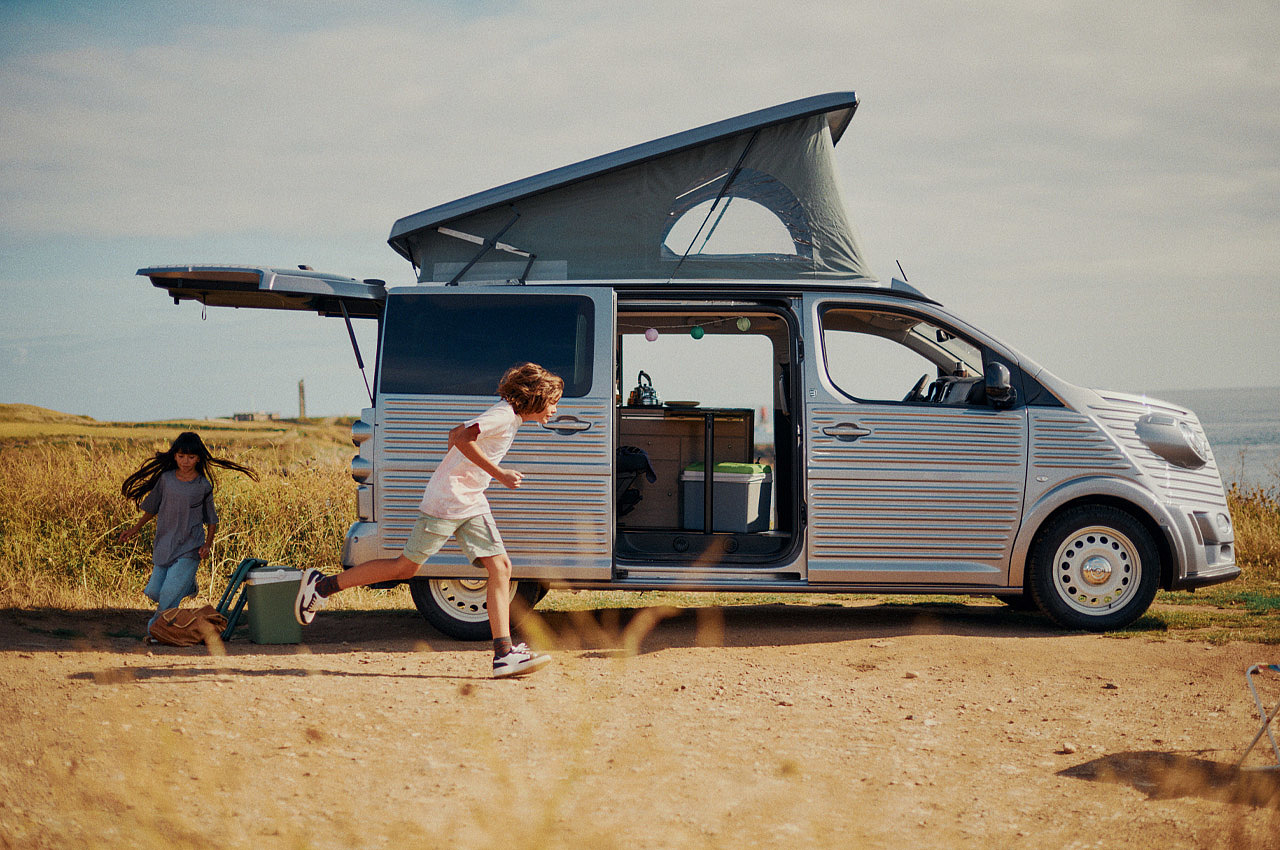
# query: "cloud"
231,127
1001,148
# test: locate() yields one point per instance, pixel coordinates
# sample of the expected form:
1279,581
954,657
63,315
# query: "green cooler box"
743,497
271,592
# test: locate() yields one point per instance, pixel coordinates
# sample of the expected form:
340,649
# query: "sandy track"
883,726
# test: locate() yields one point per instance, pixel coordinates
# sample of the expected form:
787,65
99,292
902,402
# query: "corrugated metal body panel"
1189,487
924,491
919,438
562,510
913,520
1063,440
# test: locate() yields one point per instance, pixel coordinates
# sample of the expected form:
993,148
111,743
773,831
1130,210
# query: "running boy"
454,505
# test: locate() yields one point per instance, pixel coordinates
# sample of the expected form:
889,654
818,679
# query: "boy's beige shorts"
477,536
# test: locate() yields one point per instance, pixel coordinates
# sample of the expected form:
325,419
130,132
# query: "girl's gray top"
182,509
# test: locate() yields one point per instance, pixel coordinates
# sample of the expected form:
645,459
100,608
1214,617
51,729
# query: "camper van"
842,435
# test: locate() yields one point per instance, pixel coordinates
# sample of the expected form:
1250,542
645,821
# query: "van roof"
612,216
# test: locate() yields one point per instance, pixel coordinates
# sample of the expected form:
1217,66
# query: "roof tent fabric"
615,224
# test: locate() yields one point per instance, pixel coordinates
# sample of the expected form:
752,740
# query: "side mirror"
1000,391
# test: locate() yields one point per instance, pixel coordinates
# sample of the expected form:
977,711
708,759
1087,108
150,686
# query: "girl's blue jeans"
168,586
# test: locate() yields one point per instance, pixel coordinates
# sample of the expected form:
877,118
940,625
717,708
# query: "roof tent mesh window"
616,225
742,213
459,345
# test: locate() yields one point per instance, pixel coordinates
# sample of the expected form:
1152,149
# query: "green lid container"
271,593
732,468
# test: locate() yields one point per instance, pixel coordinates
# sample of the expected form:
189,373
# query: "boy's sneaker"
308,600
520,661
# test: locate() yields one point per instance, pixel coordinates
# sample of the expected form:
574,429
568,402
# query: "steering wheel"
916,394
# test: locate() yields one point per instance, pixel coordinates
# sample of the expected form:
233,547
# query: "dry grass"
61,511
1256,514
1247,608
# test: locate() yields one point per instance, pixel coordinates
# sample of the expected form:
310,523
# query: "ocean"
1243,426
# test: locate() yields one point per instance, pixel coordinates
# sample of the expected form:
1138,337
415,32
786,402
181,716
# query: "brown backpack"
188,626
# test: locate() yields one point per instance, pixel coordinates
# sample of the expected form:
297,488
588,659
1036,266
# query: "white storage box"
743,495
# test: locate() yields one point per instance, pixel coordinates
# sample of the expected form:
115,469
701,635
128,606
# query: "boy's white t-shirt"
456,489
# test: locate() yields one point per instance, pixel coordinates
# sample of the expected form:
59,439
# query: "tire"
1094,567
457,607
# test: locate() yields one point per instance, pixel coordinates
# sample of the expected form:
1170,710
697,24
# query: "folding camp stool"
232,603
1267,718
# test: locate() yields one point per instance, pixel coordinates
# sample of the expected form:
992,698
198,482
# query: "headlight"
1215,529
1174,440
1196,440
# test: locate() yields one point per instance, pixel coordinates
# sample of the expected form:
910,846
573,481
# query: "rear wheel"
457,607
1094,567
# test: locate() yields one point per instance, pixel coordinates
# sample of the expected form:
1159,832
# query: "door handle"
846,432
566,425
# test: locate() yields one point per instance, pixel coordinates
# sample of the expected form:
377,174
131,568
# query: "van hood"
1143,400
1156,433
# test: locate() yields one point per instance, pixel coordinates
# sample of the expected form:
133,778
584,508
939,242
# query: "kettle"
644,395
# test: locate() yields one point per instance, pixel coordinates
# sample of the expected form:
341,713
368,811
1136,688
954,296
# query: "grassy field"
61,509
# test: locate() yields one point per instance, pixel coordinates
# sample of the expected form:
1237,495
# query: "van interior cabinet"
673,438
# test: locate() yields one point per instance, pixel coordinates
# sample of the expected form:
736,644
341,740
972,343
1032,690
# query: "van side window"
874,355
460,344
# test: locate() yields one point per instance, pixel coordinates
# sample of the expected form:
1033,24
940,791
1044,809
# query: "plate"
681,404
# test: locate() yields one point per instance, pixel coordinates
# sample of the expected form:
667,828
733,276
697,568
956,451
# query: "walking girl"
175,488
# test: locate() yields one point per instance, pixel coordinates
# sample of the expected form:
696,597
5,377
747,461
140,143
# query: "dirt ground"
752,726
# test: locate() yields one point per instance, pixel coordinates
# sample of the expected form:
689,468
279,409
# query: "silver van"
841,435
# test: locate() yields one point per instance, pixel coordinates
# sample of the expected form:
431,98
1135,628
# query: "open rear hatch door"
271,289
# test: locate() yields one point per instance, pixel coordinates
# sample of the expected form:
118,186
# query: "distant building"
255,416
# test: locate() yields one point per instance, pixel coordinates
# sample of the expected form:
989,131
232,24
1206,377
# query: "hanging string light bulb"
696,329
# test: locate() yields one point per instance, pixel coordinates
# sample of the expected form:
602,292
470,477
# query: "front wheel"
457,607
1094,567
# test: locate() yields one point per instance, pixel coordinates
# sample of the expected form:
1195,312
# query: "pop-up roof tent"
658,211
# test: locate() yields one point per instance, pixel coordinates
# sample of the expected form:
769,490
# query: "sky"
1096,184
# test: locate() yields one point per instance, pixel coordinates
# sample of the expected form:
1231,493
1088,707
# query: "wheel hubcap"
1096,569
465,599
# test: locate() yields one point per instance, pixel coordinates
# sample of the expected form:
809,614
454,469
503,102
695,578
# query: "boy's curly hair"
530,388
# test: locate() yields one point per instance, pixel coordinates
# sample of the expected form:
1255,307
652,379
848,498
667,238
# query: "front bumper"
1207,577
1209,550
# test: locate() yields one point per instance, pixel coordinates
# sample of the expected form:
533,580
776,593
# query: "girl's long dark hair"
142,482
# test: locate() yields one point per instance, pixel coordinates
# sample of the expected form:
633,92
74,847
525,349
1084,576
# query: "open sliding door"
443,352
